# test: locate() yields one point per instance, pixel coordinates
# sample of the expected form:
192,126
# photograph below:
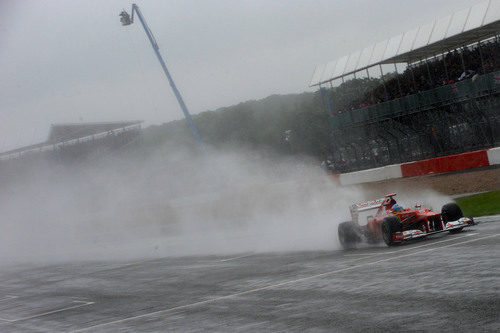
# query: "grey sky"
72,61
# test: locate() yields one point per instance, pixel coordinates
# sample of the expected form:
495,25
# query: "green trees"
285,124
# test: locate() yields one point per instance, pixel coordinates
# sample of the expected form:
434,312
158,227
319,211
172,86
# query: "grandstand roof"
465,27
65,132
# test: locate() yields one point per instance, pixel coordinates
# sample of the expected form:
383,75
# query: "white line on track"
8,298
83,303
182,307
239,257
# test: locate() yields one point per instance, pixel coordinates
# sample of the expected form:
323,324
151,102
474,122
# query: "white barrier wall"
371,175
494,156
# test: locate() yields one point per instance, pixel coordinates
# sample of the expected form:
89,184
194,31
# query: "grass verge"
487,203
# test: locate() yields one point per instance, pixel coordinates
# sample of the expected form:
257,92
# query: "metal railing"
481,85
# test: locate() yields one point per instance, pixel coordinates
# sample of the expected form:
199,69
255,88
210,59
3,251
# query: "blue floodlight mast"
126,19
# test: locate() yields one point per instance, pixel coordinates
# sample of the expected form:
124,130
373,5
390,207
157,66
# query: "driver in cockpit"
397,208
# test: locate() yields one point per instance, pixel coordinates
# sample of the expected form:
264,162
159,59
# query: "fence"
447,120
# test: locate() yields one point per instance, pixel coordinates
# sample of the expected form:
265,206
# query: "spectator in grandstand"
457,65
467,74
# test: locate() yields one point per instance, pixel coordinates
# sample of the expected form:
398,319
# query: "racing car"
385,220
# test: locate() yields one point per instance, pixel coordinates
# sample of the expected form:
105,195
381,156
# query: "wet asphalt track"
445,283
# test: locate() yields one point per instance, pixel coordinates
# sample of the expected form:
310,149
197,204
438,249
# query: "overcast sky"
72,61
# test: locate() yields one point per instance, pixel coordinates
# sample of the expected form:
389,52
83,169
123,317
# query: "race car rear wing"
374,204
368,205
363,206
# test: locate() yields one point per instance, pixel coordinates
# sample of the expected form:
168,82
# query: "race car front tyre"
348,234
389,226
451,212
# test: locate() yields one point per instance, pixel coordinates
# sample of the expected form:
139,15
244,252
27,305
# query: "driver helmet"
397,208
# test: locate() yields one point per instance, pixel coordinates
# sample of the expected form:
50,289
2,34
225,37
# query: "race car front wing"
417,233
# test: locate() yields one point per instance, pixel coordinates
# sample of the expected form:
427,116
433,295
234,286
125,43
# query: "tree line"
283,124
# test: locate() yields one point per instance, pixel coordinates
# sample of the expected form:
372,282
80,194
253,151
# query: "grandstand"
74,141
67,144
445,101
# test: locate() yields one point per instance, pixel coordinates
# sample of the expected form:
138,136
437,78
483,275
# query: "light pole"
126,19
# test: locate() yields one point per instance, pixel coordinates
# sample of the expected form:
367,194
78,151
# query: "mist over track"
446,283
233,243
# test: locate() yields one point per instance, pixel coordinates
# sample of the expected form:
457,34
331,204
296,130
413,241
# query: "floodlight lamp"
125,18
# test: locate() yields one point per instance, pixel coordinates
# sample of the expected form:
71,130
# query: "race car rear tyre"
389,226
451,212
348,234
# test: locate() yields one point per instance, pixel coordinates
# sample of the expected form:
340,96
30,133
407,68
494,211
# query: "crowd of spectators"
449,68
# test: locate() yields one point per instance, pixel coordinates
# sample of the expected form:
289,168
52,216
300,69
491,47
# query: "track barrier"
450,163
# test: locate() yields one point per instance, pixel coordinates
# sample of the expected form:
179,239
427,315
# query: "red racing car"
383,219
